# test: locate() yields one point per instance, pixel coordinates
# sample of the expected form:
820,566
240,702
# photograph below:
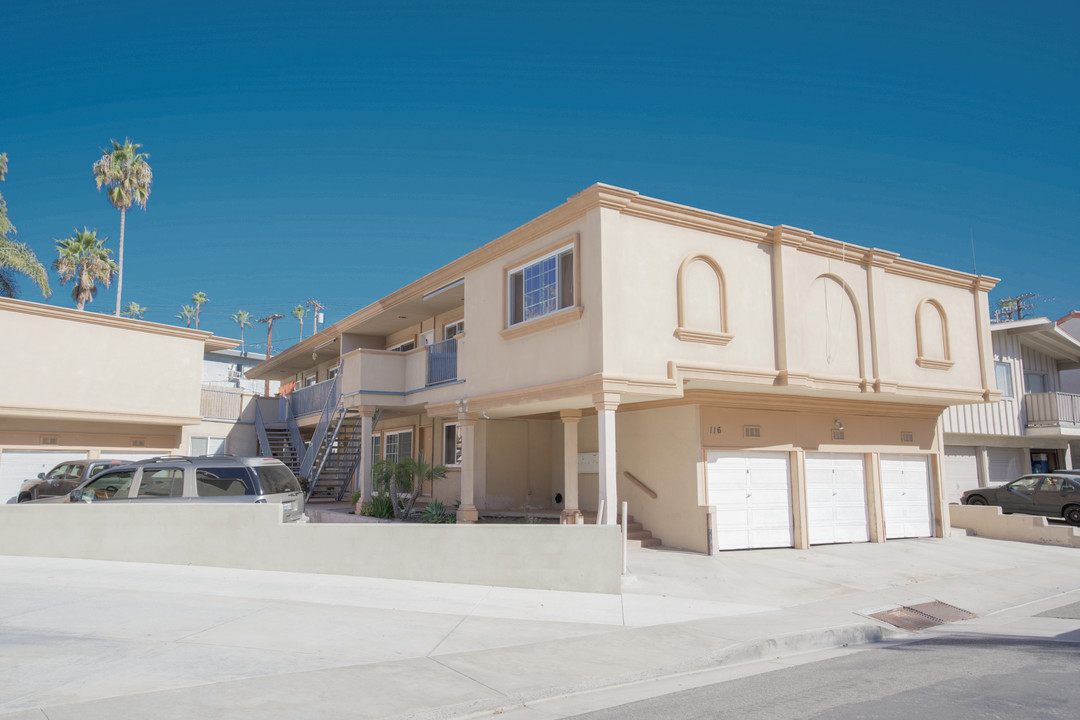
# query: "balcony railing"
442,361
1052,410
310,399
221,403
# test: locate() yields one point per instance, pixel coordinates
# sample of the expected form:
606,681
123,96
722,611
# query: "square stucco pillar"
606,404
571,513
467,510
367,415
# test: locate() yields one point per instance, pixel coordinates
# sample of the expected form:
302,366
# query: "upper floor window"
404,347
1003,375
1035,382
453,329
542,287
333,372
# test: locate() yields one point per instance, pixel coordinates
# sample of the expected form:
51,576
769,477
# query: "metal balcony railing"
442,361
1052,410
221,403
311,399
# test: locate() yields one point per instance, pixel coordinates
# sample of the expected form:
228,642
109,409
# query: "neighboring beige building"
82,385
740,385
1031,428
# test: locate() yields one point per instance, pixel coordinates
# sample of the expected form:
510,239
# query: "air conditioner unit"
235,374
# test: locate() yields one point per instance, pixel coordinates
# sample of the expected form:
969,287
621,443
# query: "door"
1005,464
751,497
18,466
905,485
836,498
961,471
1019,497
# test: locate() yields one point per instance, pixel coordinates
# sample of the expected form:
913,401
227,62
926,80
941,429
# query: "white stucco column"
367,415
571,513
606,403
467,510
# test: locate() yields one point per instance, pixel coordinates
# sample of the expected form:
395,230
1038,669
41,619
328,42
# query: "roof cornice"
25,307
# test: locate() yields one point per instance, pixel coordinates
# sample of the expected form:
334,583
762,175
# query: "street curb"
743,653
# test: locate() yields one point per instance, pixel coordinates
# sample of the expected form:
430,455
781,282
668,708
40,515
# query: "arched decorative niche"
932,335
832,329
702,301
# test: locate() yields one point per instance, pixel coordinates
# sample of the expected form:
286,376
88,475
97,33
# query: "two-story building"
740,385
1034,424
82,385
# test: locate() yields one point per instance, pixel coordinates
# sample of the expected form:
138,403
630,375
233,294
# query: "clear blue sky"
340,150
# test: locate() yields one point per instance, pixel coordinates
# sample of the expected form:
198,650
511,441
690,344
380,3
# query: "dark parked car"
63,478
1053,495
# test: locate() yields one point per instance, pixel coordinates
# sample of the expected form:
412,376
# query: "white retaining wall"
989,522
582,558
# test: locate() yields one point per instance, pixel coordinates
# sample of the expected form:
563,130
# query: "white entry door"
836,498
905,486
17,466
751,497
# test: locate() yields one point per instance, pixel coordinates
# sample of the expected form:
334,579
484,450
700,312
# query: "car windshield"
277,479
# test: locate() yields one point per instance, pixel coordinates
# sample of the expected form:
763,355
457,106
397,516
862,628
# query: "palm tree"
186,313
133,310
406,476
242,318
298,312
128,177
16,257
199,299
86,260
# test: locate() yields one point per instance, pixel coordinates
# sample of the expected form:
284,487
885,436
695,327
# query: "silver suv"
211,478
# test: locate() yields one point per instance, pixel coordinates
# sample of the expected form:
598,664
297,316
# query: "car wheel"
1072,514
976,500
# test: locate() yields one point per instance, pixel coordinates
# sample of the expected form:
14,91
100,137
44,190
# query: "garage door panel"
751,496
905,485
836,498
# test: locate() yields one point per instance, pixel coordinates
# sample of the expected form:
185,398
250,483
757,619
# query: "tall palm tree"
127,175
16,257
186,313
298,312
199,299
242,318
84,259
133,310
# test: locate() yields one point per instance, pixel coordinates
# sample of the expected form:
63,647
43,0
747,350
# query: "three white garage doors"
751,496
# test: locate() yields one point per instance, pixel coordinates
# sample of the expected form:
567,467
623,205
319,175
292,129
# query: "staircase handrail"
319,436
260,430
645,488
339,414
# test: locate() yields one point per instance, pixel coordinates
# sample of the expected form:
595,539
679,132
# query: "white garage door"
1006,464
905,485
961,471
751,494
17,466
836,498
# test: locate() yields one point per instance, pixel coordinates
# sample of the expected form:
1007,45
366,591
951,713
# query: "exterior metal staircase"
337,458
281,447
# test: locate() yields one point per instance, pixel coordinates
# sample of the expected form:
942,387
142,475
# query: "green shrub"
356,497
379,506
436,512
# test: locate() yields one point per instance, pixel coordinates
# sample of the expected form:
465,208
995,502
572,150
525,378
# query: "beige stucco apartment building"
80,385
739,385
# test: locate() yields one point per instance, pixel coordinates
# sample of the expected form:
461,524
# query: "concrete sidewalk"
88,639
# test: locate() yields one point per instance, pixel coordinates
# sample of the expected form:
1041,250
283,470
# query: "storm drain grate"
922,616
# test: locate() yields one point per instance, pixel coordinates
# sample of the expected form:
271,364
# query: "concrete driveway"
93,639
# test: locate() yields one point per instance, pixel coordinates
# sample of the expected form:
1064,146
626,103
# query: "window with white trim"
310,380
398,445
451,444
1035,382
453,329
1003,376
376,444
541,287
207,446
333,372
404,347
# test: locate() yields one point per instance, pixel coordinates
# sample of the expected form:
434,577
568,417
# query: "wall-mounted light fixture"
839,425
